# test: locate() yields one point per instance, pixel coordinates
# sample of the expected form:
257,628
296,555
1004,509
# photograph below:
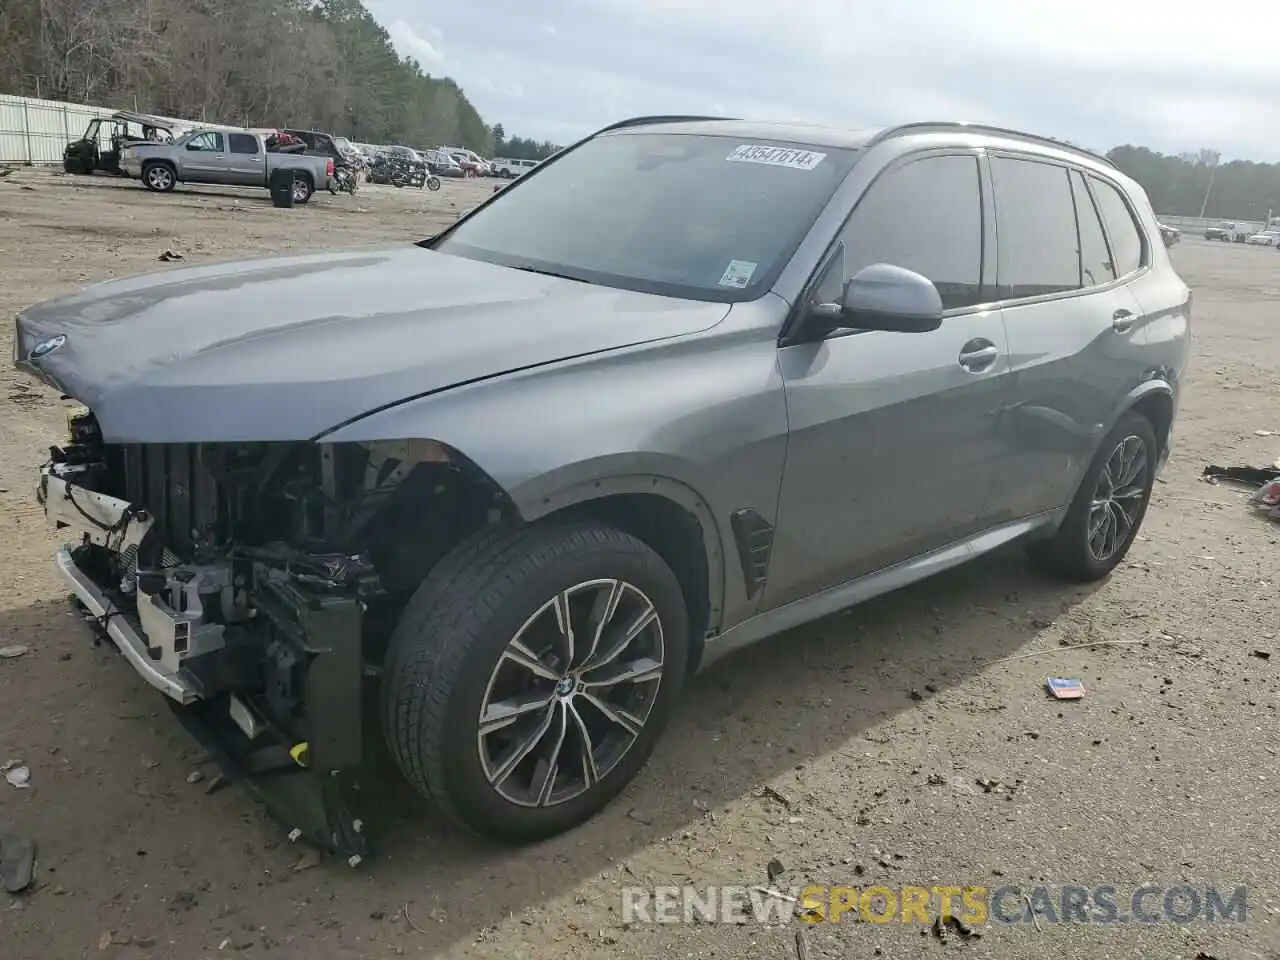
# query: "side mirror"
882,296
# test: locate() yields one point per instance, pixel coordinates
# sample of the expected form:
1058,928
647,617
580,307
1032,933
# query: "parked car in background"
320,144
443,164
509,169
232,158
1265,238
468,160
1228,231
98,149
697,383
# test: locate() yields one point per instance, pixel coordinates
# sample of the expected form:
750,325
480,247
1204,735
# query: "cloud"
420,43
1170,75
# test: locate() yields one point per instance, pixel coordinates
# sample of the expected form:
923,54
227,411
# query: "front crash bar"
108,619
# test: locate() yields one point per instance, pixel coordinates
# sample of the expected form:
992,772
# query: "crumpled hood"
287,348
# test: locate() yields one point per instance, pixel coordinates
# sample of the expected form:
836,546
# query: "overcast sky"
1170,74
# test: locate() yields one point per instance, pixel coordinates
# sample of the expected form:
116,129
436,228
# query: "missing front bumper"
308,778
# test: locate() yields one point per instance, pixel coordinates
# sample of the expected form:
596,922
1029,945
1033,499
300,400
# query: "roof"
818,136
837,137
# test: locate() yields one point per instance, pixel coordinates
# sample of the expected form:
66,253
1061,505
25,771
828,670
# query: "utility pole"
1213,170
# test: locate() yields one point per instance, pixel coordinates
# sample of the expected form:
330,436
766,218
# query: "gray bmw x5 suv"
689,383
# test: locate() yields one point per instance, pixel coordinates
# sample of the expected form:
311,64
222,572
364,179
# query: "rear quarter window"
1127,247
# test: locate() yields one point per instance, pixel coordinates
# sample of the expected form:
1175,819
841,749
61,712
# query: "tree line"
1178,184
321,64
520,148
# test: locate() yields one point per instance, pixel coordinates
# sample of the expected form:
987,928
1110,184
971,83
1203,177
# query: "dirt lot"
882,729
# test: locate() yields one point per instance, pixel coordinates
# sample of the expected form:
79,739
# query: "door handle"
978,355
1122,321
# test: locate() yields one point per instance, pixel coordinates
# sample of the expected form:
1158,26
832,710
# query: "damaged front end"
256,585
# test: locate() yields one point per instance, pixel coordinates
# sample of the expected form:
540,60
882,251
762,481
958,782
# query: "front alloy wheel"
571,693
531,674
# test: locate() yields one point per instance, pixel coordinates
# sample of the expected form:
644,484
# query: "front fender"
701,424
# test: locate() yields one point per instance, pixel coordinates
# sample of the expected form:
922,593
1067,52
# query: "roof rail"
964,125
659,118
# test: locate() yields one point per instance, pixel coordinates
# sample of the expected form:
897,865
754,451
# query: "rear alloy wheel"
1109,506
301,190
531,674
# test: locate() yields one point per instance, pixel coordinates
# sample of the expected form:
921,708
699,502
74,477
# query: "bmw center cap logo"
46,347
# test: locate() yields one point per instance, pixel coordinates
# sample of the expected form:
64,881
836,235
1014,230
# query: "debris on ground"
169,255
5,171
310,858
1266,479
774,794
1262,654
13,651
943,928
1251,475
775,869
17,863
1064,688
195,776
17,773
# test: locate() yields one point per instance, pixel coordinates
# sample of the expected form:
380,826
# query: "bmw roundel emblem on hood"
46,347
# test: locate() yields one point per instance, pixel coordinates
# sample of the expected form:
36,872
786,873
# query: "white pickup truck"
222,157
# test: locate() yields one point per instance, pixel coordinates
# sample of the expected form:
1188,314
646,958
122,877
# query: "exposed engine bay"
256,584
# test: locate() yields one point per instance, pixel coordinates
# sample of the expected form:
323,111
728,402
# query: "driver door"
205,158
894,441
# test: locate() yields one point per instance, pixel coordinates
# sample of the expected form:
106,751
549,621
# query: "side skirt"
845,595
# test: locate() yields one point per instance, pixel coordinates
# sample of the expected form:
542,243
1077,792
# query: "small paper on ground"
1065,688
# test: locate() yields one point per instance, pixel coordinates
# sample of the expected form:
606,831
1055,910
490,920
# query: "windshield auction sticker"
776,156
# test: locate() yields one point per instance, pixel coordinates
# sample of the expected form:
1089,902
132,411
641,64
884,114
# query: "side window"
206,141
1126,239
242,143
925,216
1095,258
1037,244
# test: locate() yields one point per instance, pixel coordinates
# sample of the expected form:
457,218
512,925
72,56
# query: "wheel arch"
1155,399
667,514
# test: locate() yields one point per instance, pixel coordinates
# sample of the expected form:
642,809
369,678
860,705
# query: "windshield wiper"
547,273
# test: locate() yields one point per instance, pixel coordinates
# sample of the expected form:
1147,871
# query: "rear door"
204,159
1075,336
246,163
893,437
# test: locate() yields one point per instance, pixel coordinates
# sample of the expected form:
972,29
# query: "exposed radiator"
173,483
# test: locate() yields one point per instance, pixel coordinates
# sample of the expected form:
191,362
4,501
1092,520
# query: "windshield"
701,217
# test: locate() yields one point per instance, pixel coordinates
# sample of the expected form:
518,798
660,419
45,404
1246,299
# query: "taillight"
328,168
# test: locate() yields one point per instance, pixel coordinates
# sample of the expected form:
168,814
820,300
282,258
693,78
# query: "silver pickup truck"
222,157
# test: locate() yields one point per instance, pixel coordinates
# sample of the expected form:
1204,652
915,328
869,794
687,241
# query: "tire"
159,177
302,190
1070,553
448,659
433,183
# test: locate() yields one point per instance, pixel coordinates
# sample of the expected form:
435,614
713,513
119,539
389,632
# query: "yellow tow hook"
299,752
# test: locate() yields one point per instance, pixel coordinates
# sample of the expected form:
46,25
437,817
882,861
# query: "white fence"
36,131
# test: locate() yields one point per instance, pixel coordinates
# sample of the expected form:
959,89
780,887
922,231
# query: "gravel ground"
906,742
